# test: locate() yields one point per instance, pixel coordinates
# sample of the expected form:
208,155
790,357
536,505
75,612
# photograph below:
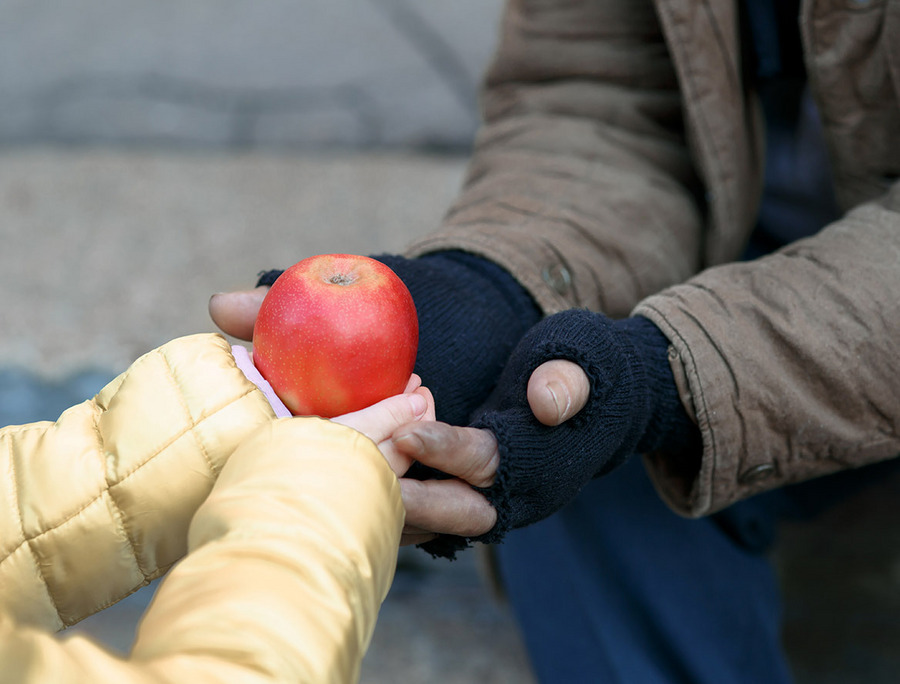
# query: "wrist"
633,404
668,428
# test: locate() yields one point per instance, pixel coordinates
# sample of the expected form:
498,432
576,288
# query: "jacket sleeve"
289,560
581,183
789,362
97,504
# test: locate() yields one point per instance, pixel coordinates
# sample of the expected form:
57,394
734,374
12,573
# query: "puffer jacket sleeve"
289,560
581,183
789,363
97,504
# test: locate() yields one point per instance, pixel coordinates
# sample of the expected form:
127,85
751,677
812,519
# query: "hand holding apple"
336,333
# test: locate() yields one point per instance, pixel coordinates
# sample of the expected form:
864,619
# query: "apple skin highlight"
336,333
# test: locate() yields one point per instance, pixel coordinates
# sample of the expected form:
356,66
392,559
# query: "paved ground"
153,154
282,73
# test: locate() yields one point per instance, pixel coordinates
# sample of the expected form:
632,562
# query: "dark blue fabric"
633,406
471,315
771,38
616,588
798,196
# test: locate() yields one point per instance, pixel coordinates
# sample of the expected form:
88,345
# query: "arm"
581,184
109,489
788,363
283,580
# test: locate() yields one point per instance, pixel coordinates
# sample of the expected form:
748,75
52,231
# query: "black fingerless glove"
471,315
633,407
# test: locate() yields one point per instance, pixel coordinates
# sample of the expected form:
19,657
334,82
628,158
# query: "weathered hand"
447,506
632,407
557,390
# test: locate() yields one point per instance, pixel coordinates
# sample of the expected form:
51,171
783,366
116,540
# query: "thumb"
379,421
235,312
557,390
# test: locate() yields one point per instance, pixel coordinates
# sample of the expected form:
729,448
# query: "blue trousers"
616,588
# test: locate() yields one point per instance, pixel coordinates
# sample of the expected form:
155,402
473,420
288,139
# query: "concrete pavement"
370,73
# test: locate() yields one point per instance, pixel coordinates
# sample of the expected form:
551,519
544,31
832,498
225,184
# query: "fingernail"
555,389
418,404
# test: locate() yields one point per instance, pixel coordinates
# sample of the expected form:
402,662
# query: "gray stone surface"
276,74
108,254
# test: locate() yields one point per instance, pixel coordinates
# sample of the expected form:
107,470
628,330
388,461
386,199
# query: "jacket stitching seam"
120,517
687,84
702,397
203,450
26,541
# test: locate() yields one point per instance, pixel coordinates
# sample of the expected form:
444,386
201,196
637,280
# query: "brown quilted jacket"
620,168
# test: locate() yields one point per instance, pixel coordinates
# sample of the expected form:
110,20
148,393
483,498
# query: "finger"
557,390
235,312
367,421
410,539
415,385
467,453
399,461
379,421
429,399
411,530
446,507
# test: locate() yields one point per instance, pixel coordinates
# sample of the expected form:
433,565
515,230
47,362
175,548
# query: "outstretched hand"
549,427
380,421
557,391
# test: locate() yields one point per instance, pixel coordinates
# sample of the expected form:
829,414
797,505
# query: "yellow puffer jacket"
283,578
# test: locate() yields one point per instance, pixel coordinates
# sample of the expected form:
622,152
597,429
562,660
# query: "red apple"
336,333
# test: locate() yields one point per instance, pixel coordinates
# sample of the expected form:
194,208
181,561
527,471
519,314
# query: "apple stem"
342,279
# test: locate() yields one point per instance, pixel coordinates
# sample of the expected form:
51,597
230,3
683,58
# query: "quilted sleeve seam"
26,541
